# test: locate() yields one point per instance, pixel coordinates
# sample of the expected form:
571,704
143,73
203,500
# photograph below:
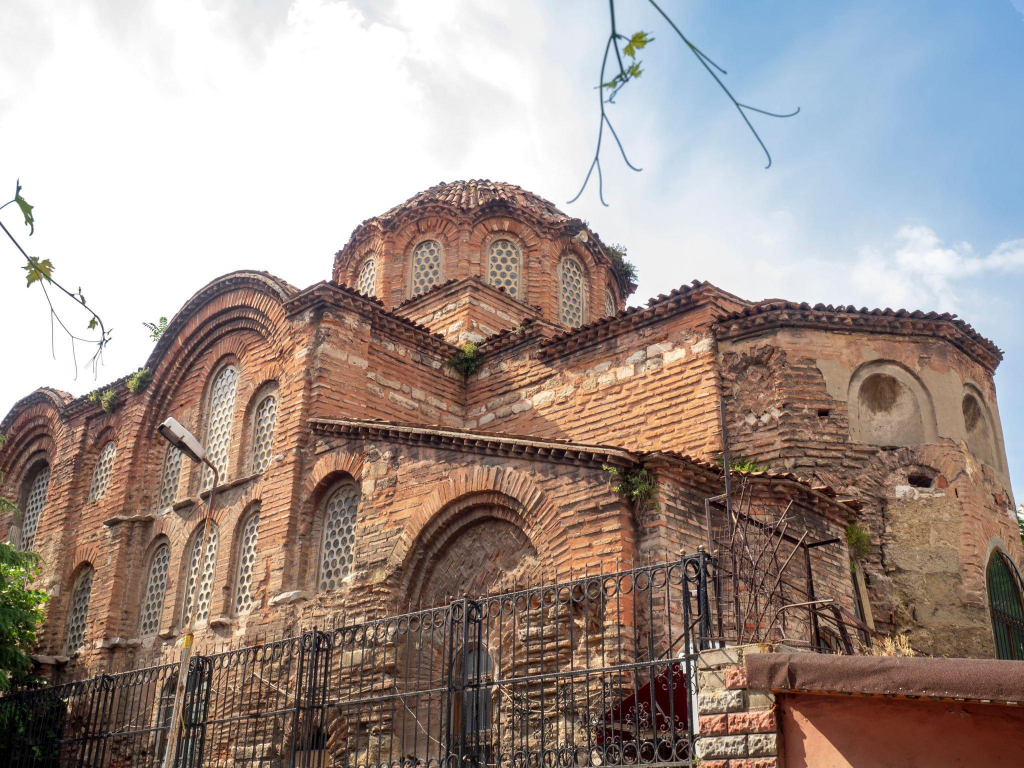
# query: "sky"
167,142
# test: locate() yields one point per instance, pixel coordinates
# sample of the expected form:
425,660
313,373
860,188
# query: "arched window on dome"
220,420
170,475
33,496
338,543
263,426
151,613
609,303
571,292
426,267
1006,603
78,611
245,565
103,470
504,267
202,561
366,282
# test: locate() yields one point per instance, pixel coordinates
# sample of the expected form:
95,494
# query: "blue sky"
167,142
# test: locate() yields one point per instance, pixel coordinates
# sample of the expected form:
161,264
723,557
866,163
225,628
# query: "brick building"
361,474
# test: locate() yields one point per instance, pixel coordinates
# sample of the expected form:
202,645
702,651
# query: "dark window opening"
823,413
920,480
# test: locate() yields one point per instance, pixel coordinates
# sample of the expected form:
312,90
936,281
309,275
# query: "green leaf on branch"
26,209
38,270
93,324
637,42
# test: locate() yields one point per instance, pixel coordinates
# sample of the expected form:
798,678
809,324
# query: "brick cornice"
771,315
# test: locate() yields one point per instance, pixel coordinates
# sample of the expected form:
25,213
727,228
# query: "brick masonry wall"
787,399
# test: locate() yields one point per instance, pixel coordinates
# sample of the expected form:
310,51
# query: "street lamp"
172,431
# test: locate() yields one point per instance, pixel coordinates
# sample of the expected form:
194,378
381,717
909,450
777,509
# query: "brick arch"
444,229
914,423
82,555
521,501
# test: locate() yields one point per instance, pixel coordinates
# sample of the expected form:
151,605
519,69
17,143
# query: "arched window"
34,495
1006,602
571,293
426,266
246,564
219,422
263,433
156,588
609,303
366,283
199,585
339,536
78,611
504,267
101,474
170,475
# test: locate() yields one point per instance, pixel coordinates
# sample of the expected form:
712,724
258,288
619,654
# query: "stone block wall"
739,726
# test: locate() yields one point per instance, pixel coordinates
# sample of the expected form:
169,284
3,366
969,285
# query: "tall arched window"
504,267
264,423
102,472
199,584
339,535
156,588
78,611
170,475
609,303
221,416
366,283
426,266
571,293
34,495
1006,602
246,564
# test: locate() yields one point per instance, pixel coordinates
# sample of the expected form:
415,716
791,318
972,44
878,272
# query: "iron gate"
595,671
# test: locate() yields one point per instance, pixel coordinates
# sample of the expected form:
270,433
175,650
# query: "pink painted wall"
821,731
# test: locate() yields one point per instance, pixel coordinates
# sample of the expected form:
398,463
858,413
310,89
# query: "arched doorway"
1006,602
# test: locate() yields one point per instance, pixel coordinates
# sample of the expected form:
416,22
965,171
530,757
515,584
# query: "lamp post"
187,443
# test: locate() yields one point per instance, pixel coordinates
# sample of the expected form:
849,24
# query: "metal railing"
593,671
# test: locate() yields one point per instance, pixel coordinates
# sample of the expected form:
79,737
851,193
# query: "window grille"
218,431
571,299
169,476
609,304
78,611
101,475
1006,603
246,565
426,266
34,501
263,433
199,587
156,589
339,536
366,284
503,267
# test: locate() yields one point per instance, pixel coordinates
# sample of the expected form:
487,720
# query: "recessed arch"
889,405
978,424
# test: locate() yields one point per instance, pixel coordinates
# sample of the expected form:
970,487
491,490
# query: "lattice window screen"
366,284
34,501
609,304
426,266
156,588
503,267
246,565
170,475
101,474
199,587
78,612
218,432
263,433
339,536
571,290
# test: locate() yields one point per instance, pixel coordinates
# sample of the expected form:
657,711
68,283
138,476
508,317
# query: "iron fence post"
306,645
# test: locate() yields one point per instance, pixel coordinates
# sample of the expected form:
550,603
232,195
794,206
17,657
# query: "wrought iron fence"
594,671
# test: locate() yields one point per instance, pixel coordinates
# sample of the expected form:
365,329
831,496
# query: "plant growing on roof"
743,464
105,399
636,484
859,540
139,380
156,330
617,253
467,360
